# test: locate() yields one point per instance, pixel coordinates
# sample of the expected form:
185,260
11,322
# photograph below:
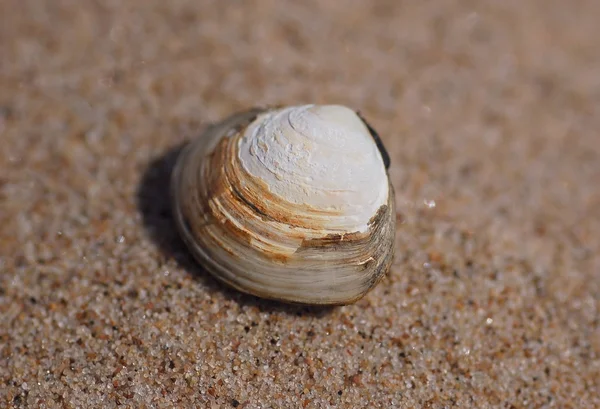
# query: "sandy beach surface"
490,111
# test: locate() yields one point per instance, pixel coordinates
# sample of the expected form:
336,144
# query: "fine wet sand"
490,112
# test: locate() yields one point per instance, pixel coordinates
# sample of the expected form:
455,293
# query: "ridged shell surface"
292,204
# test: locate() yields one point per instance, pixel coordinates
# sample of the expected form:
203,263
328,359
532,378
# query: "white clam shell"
292,204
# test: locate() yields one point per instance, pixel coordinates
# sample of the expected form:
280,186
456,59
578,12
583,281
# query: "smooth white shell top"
320,156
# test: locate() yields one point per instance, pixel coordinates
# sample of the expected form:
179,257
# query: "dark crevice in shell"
384,154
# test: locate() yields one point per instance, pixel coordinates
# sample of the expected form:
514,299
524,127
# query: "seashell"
293,204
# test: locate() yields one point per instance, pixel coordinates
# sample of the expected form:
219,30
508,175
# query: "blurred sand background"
490,111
